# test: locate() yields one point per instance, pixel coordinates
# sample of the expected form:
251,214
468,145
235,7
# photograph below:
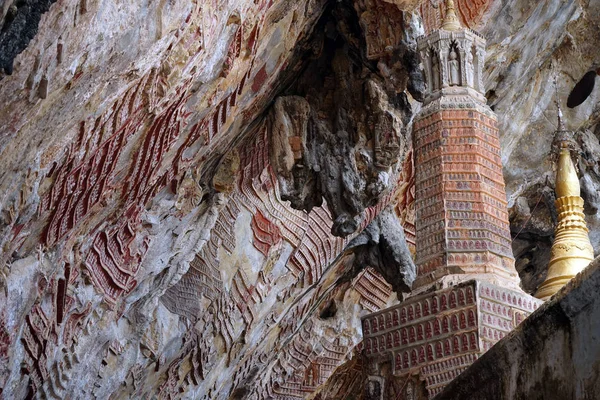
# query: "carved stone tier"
462,220
430,339
466,295
453,60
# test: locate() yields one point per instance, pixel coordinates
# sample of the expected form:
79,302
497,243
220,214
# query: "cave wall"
149,249
200,199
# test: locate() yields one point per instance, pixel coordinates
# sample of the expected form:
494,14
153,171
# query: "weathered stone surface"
146,249
382,245
20,21
342,133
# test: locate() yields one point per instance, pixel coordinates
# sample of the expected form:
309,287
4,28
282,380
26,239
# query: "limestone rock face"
199,199
148,249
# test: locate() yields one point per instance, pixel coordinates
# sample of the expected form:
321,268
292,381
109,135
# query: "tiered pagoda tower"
462,221
466,296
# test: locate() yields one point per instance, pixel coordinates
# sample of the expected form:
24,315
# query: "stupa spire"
571,251
465,265
451,22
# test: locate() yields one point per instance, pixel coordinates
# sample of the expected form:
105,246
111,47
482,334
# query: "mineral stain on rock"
221,189
19,27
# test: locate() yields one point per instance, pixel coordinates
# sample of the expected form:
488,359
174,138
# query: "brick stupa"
466,296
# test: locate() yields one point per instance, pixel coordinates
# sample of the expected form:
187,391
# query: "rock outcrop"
200,199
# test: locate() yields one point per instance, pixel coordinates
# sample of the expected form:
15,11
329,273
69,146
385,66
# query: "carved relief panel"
452,59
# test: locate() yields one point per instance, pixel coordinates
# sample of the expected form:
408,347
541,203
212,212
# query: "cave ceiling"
200,199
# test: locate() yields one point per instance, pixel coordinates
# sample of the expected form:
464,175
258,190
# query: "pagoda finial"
451,22
561,124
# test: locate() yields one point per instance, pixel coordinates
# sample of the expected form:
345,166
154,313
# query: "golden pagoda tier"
571,251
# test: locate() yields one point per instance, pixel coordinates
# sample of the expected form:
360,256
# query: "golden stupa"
571,251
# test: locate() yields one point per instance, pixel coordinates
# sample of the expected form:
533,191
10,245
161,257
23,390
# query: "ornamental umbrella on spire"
451,22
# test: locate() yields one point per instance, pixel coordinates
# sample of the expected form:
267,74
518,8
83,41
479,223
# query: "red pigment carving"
474,207
198,353
35,339
73,324
209,127
42,330
224,226
266,234
111,265
253,39
311,369
470,13
374,290
381,23
260,190
110,262
242,296
233,52
159,139
259,79
264,5
79,185
318,247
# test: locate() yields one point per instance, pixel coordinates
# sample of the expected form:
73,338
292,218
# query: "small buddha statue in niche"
409,391
310,377
469,68
435,72
453,67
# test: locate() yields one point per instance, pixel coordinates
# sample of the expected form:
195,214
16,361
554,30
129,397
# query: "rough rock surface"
199,199
148,249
